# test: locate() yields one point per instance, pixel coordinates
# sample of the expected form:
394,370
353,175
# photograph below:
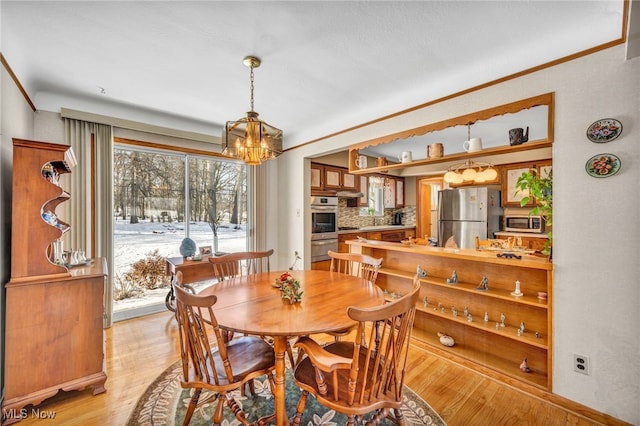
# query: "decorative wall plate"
603,165
604,130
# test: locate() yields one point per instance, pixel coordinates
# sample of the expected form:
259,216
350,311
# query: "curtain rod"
136,125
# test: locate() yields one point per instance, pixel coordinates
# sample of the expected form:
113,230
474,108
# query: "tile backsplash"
350,216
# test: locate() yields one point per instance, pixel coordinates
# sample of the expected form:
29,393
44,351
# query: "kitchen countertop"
377,228
522,234
527,260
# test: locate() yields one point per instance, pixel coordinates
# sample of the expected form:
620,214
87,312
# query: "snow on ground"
133,241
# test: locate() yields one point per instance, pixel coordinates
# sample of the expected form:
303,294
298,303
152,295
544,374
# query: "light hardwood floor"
138,350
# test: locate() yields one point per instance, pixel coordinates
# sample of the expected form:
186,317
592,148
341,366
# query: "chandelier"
250,139
470,171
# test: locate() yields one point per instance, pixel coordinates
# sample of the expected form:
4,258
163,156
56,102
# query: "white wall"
596,299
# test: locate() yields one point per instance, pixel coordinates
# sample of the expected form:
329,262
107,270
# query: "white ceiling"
327,65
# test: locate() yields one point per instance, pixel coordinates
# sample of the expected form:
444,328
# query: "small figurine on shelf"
524,366
522,326
454,311
466,311
425,302
445,339
453,279
484,284
517,291
502,319
486,316
422,273
469,318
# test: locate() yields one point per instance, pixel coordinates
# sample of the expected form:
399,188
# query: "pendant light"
249,138
466,172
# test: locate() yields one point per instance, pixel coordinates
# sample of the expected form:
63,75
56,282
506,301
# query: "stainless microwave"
533,224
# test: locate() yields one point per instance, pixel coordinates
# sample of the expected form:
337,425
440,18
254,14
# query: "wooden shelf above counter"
494,153
491,347
498,155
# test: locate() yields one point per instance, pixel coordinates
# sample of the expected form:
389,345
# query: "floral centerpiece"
289,287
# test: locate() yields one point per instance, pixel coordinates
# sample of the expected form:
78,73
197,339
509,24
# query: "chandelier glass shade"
249,138
470,171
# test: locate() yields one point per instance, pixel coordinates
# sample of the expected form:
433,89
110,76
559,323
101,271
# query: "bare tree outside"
150,208
213,190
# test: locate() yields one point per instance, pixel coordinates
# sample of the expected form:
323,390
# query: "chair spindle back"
360,265
241,263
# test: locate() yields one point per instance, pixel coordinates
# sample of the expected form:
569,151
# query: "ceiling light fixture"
250,139
485,173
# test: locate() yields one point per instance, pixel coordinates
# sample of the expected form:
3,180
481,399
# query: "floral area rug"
165,402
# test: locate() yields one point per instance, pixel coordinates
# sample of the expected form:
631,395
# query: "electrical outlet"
581,364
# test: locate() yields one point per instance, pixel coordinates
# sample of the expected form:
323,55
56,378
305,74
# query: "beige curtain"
91,203
257,207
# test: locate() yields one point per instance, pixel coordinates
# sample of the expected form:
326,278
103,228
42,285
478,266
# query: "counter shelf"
496,352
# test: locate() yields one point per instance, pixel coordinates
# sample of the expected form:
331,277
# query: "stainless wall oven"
324,227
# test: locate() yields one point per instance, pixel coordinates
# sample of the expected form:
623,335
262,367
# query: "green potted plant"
539,189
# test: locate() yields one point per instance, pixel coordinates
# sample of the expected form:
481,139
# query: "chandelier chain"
251,78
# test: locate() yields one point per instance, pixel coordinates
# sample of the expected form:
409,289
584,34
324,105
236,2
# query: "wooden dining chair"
223,368
244,263
170,299
365,376
241,263
360,265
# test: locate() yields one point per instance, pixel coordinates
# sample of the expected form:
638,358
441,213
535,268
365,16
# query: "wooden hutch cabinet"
54,338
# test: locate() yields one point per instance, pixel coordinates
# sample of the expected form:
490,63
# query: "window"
160,198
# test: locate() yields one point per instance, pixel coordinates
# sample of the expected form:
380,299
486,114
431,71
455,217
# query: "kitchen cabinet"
399,193
325,179
389,193
364,188
343,247
393,192
350,182
54,339
510,174
393,236
495,347
317,177
332,177
323,265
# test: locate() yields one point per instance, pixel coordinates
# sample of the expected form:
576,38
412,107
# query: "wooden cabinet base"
54,338
12,409
323,265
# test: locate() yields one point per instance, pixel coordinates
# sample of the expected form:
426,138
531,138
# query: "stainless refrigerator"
465,213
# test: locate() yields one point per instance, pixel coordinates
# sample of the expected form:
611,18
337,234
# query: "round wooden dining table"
252,305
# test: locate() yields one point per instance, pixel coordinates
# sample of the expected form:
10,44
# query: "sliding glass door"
161,198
